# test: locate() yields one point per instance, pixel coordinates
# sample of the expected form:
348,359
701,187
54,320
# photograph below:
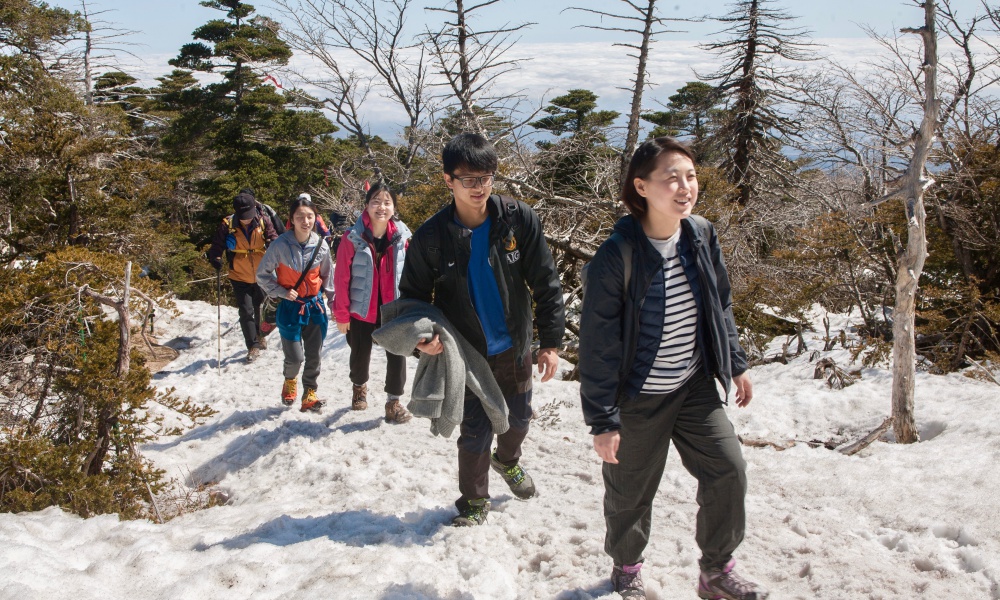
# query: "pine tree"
242,131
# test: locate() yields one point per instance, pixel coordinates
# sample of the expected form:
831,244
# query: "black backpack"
338,226
279,225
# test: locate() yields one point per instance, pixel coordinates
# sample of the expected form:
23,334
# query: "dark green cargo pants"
694,418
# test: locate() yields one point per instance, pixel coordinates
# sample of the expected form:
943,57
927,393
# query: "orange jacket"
246,257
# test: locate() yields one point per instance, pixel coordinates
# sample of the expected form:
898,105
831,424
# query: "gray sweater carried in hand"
440,381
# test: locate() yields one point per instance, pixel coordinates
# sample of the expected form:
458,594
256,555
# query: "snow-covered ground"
343,505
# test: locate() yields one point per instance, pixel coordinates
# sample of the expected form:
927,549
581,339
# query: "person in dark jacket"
243,236
483,261
650,355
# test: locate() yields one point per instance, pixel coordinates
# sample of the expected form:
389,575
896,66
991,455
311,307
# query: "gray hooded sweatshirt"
440,380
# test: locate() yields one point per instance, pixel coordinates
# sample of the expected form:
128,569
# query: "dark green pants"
694,418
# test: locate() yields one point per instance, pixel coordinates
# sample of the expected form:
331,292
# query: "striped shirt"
678,356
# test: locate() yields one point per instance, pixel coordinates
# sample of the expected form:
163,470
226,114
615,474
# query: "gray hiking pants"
307,349
694,418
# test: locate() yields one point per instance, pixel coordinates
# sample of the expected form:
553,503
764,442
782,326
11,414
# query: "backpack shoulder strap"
435,246
700,223
626,251
510,210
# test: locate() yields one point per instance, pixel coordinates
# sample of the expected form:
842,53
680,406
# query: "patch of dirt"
157,356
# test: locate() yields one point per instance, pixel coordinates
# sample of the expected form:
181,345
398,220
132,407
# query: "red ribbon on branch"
273,80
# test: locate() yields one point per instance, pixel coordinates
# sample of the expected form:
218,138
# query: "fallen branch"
759,443
866,441
983,369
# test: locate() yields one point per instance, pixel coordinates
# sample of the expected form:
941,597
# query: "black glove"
217,263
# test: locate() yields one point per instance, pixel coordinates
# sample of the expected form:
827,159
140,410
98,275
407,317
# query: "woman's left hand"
744,389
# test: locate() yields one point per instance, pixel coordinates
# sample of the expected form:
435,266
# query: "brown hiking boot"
395,413
359,399
253,353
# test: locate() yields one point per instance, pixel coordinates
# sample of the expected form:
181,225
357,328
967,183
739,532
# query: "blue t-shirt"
485,294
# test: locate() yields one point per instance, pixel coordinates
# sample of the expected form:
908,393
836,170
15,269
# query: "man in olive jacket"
483,261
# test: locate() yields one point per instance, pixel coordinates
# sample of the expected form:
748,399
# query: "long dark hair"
642,164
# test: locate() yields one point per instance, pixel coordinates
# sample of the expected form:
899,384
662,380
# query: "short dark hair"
469,150
377,188
642,164
299,203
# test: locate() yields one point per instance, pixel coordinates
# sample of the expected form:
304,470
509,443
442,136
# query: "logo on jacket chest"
510,245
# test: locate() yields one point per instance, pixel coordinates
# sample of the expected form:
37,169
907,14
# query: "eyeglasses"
471,182
383,203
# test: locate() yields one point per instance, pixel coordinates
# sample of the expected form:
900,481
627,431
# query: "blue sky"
556,54
165,25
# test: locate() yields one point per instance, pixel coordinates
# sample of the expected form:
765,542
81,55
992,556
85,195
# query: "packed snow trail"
344,505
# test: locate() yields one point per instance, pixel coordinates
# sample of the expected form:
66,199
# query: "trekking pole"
218,336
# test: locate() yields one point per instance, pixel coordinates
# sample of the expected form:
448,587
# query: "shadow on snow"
246,449
357,528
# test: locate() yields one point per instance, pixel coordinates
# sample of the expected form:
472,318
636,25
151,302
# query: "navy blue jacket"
610,319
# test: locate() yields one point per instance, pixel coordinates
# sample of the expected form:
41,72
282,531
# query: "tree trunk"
124,326
88,84
107,418
911,262
632,136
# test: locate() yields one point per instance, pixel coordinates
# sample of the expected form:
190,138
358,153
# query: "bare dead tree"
102,43
106,418
470,63
393,64
639,21
755,82
914,182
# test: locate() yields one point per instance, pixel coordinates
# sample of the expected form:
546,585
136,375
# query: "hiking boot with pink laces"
724,584
628,582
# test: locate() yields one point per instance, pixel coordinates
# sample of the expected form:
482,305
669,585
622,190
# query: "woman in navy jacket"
654,339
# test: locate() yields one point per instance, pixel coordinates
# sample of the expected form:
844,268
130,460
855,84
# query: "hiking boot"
395,413
359,399
517,479
261,342
310,402
628,582
253,353
474,513
289,390
724,584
